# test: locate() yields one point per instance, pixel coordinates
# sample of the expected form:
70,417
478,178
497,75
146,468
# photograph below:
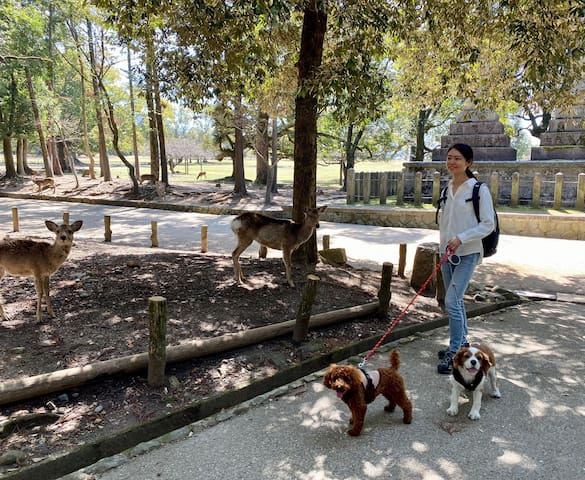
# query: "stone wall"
569,227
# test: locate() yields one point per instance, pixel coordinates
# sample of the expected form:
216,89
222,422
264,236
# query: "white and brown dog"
471,365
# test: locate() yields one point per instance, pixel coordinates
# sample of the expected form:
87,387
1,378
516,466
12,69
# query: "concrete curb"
113,450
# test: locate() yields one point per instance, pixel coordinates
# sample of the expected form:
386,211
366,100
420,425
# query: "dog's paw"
474,415
496,393
354,433
453,411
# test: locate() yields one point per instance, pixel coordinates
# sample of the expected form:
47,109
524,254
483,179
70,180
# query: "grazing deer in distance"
44,184
279,234
31,258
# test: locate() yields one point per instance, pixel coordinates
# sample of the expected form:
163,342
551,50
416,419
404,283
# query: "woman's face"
456,163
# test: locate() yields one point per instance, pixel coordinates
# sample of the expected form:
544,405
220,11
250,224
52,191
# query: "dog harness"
471,385
370,381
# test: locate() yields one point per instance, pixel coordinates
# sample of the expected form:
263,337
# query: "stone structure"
483,131
564,139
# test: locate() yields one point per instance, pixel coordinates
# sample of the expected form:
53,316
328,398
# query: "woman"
461,235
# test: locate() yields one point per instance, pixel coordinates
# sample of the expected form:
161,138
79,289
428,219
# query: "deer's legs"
286,258
243,243
39,290
2,314
47,296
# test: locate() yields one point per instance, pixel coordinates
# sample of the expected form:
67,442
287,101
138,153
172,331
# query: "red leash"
445,257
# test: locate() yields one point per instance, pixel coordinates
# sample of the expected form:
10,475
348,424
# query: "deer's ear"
51,225
76,225
322,209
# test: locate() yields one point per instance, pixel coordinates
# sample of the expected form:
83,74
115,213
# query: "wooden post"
402,260
536,187
400,189
107,229
366,188
350,186
385,292
204,230
326,242
66,218
580,200
154,234
558,198
15,225
494,188
157,341
422,268
383,188
418,189
514,194
304,314
436,187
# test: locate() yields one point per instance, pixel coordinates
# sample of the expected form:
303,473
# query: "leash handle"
444,258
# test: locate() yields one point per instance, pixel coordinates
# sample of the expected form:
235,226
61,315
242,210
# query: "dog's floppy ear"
327,377
485,362
457,358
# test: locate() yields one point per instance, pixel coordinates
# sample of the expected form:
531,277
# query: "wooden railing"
533,189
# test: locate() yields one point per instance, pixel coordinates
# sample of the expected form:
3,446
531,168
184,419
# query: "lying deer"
44,184
30,258
275,233
147,177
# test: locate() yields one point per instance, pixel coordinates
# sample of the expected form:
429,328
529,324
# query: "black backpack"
490,243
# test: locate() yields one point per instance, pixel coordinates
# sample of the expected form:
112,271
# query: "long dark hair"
467,153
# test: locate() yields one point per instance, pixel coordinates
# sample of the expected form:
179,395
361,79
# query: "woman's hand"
453,244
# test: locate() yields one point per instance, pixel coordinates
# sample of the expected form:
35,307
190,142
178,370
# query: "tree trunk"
305,149
262,162
38,123
152,132
239,174
116,137
274,166
20,157
27,169
133,113
164,171
351,145
80,60
271,186
421,127
8,157
104,161
52,147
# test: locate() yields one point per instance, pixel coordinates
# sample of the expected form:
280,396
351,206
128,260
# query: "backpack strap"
442,199
475,199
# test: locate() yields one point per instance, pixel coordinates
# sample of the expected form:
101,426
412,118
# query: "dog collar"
468,385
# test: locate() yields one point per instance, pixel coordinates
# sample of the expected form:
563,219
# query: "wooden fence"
534,190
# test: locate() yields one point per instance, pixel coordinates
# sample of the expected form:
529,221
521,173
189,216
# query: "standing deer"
275,233
30,258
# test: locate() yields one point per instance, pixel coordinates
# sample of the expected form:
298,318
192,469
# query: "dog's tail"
395,359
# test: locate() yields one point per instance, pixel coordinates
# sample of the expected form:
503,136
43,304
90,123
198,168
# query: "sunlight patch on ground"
509,458
377,471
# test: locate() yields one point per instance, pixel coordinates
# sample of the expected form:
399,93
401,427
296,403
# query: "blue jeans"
456,278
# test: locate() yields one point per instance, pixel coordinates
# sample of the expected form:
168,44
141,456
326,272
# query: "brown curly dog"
357,388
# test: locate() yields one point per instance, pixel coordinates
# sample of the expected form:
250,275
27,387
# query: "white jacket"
458,218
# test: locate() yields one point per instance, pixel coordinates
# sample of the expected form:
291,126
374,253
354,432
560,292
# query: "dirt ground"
100,296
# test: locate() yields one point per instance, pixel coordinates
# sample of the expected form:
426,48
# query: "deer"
44,184
275,233
38,259
147,177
